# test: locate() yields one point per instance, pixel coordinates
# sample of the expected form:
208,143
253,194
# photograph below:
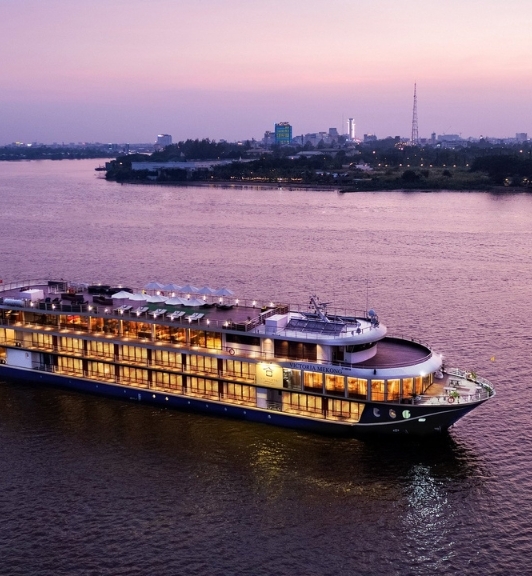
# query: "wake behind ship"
309,367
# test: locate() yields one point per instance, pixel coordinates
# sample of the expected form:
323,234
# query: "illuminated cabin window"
134,354
202,387
344,410
240,394
167,359
7,335
202,364
334,384
377,390
167,381
408,387
43,341
304,404
100,349
238,369
357,388
70,366
313,381
71,345
134,376
393,389
101,371
3,353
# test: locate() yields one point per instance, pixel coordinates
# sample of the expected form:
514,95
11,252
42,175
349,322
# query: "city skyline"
116,71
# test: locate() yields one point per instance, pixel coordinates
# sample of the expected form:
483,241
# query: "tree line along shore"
381,165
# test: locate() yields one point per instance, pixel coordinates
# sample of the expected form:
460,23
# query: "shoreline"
323,187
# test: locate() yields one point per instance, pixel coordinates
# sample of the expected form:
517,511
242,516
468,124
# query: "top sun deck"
227,313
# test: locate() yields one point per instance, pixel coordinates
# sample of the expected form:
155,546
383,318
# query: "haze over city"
125,71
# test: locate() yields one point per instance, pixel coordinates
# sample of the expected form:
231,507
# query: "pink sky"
125,70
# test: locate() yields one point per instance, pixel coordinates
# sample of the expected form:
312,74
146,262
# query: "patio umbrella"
156,299
224,292
206,291
171,288
154,286
188,289
121,295
195,302
176,301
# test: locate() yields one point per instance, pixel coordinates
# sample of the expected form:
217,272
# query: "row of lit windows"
337,385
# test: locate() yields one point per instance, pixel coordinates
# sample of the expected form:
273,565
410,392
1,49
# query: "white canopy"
176,301
121,295
156,299
206,290
224,292
137,297
171,288
154,286
188,289
195,302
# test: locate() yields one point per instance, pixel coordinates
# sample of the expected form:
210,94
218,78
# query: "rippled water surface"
96,486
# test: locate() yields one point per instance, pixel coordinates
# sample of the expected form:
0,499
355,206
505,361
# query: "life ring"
450,399
231,351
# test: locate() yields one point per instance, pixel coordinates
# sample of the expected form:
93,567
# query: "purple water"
95,486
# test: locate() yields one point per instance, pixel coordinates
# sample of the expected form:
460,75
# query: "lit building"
163,140
351,132
283,133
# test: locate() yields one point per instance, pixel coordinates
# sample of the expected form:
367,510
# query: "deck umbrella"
224,292
171,288
206,291
154,286
189,289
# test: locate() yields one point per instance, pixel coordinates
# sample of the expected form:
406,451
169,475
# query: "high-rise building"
283,133
351,129
521,137
163,140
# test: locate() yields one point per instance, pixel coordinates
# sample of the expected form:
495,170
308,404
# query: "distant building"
449,138
333,133
163,140
269,138
521,137
351,129
283,133
370,138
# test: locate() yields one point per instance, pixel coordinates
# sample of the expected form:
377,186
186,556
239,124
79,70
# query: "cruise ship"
309,366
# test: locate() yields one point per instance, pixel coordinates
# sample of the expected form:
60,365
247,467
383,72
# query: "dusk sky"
123,71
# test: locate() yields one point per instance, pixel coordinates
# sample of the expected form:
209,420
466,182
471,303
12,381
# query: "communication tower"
414,141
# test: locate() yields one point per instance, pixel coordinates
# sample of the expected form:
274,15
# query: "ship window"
295,350
101,370
168,381
377,390
71,345
313,381
334,384
393,389
240,393
203,364
418,385
134,354
70,366
344,410
101,349
292,379
202,387
41,341
134,376
408,387
198,338
214,340
357,388
240,339
237,369
168,359
302,403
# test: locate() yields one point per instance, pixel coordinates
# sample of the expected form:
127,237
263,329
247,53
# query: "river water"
92,486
